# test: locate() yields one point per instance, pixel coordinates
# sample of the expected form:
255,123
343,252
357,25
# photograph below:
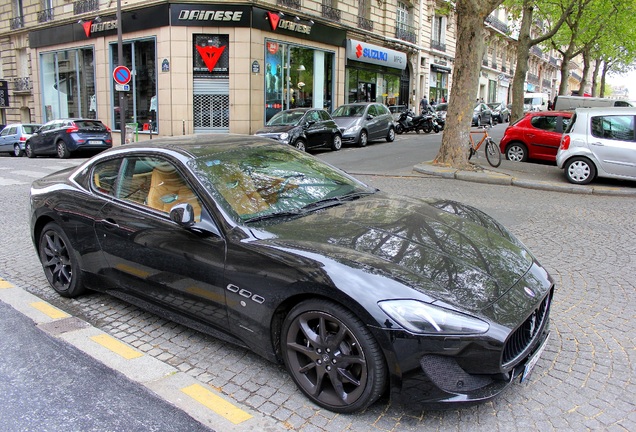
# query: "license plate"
534,359
94,142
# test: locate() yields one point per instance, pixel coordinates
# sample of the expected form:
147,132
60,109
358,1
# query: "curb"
199,400
503,179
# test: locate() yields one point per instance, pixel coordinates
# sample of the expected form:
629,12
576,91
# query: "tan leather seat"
167,189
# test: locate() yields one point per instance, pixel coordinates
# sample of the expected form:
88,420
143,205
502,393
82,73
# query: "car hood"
346,122
446,250
275,129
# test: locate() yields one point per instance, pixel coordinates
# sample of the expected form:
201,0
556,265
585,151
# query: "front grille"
522,339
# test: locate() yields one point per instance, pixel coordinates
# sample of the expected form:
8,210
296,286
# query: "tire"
517,152
28,150
436,129
580,170
17,151
300,145
60,264
332,357
471,151
478,123
427,128
399,129
62,150
337,142
490,122
493,154
363,139
390,137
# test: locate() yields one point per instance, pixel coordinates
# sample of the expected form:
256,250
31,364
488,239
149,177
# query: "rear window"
570,126
90,124
614,127
30,129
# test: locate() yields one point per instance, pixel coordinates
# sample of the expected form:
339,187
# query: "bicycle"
493,154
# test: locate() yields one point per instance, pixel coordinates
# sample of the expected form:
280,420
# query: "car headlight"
353,129
284,137
419,317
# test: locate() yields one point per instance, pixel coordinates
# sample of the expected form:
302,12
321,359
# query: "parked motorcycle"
429,123
408,122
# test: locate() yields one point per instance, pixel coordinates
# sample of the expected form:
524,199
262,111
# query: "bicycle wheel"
493,154
471,151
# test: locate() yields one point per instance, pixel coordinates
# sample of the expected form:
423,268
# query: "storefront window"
141,107
68,84
439,87
372,86
297,77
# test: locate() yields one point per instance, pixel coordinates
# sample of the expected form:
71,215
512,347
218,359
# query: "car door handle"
598,143
110,222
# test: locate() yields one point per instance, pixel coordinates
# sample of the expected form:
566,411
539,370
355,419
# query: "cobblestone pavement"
585,379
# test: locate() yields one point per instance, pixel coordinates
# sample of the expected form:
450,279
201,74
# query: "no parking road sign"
121,75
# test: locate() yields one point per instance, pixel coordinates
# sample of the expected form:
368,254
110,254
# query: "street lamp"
120,60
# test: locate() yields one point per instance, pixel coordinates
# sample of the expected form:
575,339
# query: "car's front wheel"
337,142
363,139
300,145
17,151
62,150
332,356
390,137
517,152
580,170
61,266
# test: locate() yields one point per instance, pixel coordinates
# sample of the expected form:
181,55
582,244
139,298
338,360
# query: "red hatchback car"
535,136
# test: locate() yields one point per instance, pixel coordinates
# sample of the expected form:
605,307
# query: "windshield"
30,128
349,111
286,118
493,105
260,182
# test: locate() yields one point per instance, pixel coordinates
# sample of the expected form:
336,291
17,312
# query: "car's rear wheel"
517,152
29,150
62,150
61,266
580,170
300,145
332,356
390,137
17,151
364,139
337,142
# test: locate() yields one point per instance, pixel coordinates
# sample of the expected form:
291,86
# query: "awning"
440,68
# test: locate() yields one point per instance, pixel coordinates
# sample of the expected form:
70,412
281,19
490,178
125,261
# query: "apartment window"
18,15
439,33
402,19
364,9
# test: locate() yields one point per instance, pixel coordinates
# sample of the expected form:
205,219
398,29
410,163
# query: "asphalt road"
584,380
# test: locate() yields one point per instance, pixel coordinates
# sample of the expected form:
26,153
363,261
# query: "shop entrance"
211,86
367,92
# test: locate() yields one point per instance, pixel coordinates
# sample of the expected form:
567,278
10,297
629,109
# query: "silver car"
14,136
599,142
362,122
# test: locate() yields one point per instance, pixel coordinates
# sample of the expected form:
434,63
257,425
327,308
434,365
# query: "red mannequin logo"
210,55
273,20
87,28
359,51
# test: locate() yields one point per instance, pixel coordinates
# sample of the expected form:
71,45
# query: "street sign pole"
120,60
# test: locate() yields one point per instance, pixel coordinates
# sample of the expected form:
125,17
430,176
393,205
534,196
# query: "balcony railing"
532,78
84,6
22,85
16,23
553,61
497,23
406,33
536,51
292,4
45,15
364,23
546,83
437,45
331,13
575,76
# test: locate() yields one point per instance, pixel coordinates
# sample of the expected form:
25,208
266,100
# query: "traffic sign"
121,75
122,87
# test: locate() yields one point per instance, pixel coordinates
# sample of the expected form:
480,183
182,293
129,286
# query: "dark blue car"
63,136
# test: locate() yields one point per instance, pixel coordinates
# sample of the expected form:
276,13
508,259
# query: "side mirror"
310,122
369,117
183,214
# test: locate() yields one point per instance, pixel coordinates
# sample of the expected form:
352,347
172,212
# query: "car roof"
607,110
549,113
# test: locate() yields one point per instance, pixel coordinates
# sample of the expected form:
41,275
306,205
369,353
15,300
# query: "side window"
313,116
547,123
373,111
618,127
324,115
382,110
566,123
105,175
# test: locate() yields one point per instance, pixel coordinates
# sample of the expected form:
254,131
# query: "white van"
536,101
570,103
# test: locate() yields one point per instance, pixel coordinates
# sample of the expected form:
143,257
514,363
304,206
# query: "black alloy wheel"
29,150
391,135
332,356
61,267
300,145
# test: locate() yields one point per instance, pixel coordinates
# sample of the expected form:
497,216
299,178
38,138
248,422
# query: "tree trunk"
597,67
523,52
468,57
606,68
586,71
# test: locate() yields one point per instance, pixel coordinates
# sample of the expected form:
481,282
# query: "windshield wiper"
274,216
337,200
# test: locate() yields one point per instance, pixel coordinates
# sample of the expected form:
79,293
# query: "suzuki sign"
374,54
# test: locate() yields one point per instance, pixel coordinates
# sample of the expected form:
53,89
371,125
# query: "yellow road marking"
116,346
49,310
5,284
216,403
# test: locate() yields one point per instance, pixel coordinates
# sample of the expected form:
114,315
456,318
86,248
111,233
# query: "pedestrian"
423,105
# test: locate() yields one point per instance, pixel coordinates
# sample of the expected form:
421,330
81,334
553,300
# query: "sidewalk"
541,176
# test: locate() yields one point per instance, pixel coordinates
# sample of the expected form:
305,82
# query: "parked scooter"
408,122
429,122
